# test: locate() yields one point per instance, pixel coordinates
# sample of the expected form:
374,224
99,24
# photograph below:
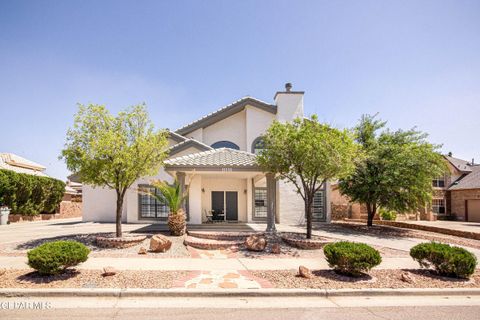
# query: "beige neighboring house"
214,157
13,162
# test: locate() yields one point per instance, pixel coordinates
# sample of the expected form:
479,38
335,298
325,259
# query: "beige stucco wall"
229,129
257,122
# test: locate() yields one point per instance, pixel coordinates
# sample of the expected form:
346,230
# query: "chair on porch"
208,215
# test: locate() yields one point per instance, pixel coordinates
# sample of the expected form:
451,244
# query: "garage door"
473,210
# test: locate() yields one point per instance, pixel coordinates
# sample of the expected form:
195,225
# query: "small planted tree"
114,151
397,170
307,153
174,197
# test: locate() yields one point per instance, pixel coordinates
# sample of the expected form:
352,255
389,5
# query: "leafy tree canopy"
396,171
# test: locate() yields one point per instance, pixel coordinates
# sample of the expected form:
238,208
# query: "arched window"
258,145
225,144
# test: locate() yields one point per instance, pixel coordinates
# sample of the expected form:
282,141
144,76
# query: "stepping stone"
228,285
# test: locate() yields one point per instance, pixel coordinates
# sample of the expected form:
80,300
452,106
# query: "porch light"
203,190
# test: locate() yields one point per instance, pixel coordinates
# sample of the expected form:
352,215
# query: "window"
438,206
260,202
225,144
318,206
438,183
150,207
258,145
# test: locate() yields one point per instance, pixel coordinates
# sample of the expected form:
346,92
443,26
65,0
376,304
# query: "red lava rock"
160,243
276,248
142,250
109,271
305,272
256,243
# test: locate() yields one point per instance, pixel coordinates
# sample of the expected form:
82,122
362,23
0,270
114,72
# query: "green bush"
445,259
386,214
28,194
351,258
55,257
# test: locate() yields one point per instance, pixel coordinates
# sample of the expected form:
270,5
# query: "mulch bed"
91,279
387,231
329,279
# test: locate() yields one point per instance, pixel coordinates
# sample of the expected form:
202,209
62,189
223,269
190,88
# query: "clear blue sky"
415,62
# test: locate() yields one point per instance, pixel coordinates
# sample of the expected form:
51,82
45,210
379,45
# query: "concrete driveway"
454,225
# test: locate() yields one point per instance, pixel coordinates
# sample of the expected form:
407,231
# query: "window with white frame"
260,203
438,206
258,145
150,207
438,183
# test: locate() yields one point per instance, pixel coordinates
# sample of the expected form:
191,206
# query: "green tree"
114,151
397,170
307,153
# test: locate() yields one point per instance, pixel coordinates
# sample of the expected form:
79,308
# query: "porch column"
181,182
271,207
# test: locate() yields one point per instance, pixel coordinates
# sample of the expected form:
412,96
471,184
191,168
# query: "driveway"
454,225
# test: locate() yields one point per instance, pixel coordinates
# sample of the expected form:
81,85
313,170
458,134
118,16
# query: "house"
215,158
457,194
13,162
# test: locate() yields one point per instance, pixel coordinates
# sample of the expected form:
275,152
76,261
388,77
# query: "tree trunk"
371,210
308,214
120,196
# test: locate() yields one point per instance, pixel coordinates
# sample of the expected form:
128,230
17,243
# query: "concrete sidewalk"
207,264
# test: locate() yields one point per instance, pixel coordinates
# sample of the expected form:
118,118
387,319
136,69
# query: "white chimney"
289,104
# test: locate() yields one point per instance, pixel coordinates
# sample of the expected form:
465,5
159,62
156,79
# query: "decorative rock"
276,248
407,277
256,243
160,243
142,250
109,271
2,271
304,272
233,248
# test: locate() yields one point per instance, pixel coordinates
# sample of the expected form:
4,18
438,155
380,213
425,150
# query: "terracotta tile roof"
13,162
186,144
223,157
468,181
225,112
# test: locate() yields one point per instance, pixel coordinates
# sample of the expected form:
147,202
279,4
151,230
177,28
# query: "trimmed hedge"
28,194
351,258
445,259
54,257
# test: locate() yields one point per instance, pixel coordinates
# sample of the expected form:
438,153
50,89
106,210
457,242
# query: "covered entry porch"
225,186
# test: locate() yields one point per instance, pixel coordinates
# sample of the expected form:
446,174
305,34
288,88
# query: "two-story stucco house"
214,157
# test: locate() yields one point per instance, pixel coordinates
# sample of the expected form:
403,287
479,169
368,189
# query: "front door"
231,201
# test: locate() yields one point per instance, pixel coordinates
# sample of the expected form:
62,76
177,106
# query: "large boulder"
160,243
304,272
256,243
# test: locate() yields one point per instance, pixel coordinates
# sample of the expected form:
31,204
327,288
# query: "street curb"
83,292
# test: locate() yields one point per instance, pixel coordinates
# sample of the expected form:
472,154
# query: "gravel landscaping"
392,232
329,279
91,279
178,250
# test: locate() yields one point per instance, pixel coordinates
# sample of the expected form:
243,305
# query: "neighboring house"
214,157
457,195
13,162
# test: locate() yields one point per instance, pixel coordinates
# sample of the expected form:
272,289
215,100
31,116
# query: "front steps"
217,240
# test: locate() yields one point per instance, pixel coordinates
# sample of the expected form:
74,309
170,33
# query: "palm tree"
173,196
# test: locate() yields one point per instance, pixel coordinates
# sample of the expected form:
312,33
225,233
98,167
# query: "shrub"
55,257
28,194
351,258
445,259
386,214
